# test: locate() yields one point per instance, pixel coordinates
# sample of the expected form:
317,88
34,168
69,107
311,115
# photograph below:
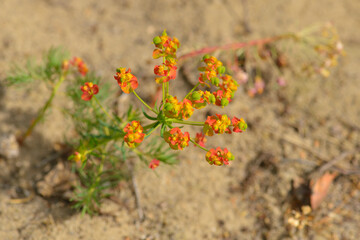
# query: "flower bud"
215,81
195,96
168,106
206,56
221,69
212,99
157,40
224,102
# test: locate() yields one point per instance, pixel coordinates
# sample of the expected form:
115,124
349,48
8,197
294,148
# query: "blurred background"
294,131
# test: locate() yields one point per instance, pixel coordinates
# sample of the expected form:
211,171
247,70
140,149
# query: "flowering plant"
173,112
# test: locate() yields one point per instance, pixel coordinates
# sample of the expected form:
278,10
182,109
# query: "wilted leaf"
320,189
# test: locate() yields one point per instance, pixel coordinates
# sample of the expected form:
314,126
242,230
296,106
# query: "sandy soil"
251,198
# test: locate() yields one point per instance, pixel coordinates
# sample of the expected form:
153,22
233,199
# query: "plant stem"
167,89
144,102
236,45
98,103
193,141
163,93
153,130
149,126
43,109
191,90
187,122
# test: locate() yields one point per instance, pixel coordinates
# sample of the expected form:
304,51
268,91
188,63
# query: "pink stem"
232,46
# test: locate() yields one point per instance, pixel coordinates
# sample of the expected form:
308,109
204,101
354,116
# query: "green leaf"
148,116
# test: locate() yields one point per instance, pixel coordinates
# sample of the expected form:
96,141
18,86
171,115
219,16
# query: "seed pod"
206,57
215,81
224,102
157,40
221,70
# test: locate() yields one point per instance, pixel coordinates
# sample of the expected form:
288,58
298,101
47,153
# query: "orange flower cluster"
220,124
154,164
166,48
134,134
200,139
238,124
78,63
219,157
179,110
217,124
126,80
172,111
89,90
176,139
211,75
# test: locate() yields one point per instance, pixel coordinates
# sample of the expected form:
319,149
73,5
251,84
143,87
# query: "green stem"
149,126
153,130
193,141
163,93
193,123
44,108
144,102
191,90
98,103
167,89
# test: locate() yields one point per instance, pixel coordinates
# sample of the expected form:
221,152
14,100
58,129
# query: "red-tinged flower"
229,83
82,68
240,75
222,98
65,65
166,45
259,85
239,125
186,109
218,124
209,97
79,63
126,80
134,134
172,107
219,157
77,157
154,164
197,99
89,90
281,81
252,92
212,69
176,139
200,139
167,71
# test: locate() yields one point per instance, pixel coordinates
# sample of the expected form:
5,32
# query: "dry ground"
251,198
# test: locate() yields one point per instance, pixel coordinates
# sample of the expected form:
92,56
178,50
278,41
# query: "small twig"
349,124
23,200
299,160
136,193
137,198
305,147
331,163
347,171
